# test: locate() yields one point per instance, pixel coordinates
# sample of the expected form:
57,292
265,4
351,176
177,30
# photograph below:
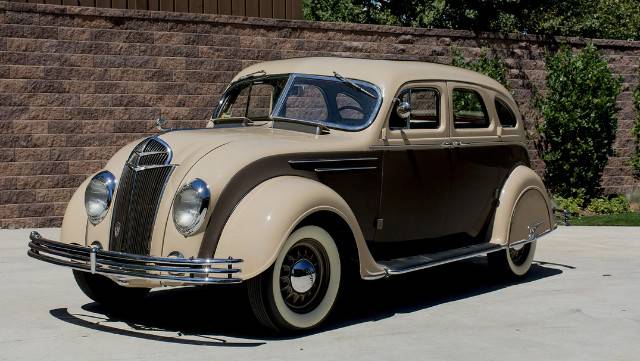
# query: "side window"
252,101
505,114
238,106
260,101
469,110
425,110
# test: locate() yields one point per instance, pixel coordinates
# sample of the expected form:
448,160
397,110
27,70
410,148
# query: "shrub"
635,158
572,205
579,128
614,205
488,64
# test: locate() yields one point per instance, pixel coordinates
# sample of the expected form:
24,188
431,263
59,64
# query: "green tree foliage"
635,158
614,19
579,128
488,64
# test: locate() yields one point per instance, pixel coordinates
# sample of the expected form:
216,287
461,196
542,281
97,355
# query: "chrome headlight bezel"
198,191
103,183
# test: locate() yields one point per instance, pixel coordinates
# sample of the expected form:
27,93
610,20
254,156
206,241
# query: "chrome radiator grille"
139,192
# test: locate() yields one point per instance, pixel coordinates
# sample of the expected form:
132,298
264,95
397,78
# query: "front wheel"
300,289
106,292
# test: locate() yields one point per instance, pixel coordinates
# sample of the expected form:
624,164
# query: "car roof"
389,75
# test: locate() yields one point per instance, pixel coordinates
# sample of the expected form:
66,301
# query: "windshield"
330,101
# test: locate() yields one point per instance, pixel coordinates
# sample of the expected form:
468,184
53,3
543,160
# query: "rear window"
506,116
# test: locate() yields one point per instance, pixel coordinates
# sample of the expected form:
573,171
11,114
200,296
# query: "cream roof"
386,74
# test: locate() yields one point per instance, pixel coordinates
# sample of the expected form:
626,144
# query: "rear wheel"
106,292
514,262
300,289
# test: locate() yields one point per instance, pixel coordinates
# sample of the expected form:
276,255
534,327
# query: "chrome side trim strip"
321,170
330,160
109,263
444,145
391,272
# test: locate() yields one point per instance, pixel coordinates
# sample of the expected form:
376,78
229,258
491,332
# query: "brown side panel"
354,176
478,175
415,193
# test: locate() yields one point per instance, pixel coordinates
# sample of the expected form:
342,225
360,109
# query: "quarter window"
505,114
469,110
425,110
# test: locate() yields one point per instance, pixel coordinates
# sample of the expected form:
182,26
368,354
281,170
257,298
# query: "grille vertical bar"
138,195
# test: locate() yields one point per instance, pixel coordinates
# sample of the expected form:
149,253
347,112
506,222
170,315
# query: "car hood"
189,146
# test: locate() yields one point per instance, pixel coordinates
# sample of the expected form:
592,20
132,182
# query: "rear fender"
523,203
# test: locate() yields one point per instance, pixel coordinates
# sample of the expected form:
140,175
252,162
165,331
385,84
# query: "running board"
403,265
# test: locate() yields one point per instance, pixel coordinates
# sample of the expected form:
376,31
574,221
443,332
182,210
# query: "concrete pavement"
581,301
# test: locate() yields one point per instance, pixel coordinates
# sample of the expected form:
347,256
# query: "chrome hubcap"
303,276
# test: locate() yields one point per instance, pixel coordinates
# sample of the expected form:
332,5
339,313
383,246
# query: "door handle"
447,143
456,143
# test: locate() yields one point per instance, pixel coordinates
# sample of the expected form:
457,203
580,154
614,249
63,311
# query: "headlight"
190,206
98,195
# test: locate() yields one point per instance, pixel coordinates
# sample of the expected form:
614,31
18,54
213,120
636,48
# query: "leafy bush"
488,64
635,158
572,205
614,205
579,128
609,19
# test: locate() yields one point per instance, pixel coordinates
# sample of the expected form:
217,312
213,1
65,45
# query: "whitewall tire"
300,289
515,262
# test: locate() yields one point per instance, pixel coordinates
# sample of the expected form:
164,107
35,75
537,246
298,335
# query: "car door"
478,160
416,166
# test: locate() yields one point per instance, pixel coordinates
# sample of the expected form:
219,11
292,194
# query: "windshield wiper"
254,74
353,84
320,128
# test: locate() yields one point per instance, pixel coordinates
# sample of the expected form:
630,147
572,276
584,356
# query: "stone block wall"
77,83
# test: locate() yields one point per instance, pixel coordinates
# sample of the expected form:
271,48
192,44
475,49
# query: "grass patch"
622,219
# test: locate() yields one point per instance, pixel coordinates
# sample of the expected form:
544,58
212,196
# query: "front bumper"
125,266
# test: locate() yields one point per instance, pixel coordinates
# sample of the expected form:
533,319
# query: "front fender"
262,221
523,201
74,223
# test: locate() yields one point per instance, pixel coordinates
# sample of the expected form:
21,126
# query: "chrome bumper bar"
196,271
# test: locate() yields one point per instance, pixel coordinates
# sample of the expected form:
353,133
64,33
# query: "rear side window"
469,110
506,116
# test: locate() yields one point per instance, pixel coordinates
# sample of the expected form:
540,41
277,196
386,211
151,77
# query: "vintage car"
311,171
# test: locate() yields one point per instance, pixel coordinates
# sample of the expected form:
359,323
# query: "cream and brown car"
310,171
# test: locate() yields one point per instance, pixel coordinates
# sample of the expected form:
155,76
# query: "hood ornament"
160,122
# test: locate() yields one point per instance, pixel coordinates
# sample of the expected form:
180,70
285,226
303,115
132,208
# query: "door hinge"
379,224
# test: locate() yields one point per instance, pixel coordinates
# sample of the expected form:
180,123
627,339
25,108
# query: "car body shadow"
208,316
